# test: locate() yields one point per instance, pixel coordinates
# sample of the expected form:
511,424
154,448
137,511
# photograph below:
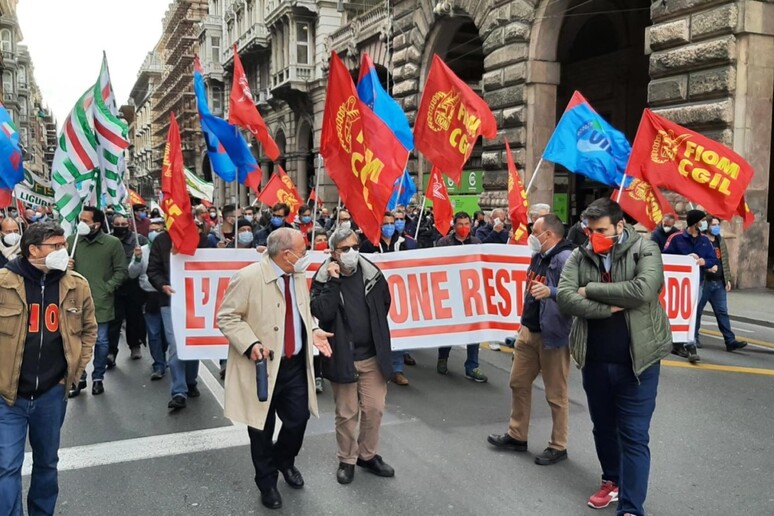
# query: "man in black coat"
664,230
351,300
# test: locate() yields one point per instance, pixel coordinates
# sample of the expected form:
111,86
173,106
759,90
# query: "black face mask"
120,232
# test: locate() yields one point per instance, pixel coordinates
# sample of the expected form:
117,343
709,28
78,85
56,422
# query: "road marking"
716,367
212,383
762,343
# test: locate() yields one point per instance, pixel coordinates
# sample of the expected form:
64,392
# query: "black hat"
243,223
694,216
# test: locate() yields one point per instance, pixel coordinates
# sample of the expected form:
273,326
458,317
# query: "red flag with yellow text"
669,156
450,119
135,198
362,155
443,213
517,201
647,205
243,113
281,188
175,202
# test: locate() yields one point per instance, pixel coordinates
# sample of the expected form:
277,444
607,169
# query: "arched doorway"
281,144
601,54
305,179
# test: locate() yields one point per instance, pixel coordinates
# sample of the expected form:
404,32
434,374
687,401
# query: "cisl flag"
176,203
670,156
281,188
362,155
644,203
517,201
443,213
451,117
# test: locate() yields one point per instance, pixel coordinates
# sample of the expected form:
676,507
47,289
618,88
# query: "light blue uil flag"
586,144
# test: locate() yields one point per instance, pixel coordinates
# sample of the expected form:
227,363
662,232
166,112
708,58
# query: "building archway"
305,170
281,142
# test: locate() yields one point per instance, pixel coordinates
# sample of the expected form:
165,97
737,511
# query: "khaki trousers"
363,401
530,359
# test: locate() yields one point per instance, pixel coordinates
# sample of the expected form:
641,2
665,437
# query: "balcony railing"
368,25
275,8
253,38
294,75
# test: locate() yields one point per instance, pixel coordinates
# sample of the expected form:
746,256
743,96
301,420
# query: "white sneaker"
494,346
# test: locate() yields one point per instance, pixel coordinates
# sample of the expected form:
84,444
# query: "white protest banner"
444,296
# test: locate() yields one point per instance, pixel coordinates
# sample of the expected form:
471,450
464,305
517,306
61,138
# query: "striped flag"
89,160
198,187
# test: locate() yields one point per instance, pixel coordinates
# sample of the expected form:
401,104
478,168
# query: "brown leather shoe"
399,379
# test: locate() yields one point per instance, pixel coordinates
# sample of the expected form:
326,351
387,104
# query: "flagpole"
338,212
77,236
419,219
400,189
316,193
236,210
534,175
620,189
15,204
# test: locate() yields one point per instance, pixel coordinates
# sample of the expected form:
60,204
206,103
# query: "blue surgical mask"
153,234
306,219
276,221
245,237
400,225
715,230
388,230
703,226
143,215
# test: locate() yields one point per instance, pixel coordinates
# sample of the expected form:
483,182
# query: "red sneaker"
607,494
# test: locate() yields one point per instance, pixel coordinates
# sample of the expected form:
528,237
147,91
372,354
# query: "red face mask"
320,246
463,232
602,244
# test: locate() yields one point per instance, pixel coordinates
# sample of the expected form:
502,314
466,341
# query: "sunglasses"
348,248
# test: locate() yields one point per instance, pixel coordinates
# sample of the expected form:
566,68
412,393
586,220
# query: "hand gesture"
539,291
321,342
138,252
334,270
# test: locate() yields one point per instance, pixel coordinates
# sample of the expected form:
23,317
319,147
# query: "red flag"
135,198
451,117
6,197
362,155
242,111
647,205
313,197
443,212
176,203
280,188
744,211
667,155
517,201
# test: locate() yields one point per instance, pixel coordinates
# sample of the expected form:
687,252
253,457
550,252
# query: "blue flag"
226,146
586,144
405,189
11,171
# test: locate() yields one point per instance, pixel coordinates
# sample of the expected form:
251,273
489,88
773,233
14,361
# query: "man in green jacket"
99,258
619,335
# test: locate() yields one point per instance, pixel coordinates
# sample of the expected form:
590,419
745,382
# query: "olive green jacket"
637,283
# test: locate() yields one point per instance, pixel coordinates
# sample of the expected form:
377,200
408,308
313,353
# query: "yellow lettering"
683,167
700,175
689,148
710,157
729,167
724,187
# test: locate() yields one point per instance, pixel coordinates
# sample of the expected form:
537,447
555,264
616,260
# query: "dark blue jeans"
156,341
42,418
714,291
621,409
472,361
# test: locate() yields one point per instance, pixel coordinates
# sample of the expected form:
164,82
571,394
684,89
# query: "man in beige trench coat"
265,312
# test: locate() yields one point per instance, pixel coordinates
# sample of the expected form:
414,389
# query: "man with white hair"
537,210
494,232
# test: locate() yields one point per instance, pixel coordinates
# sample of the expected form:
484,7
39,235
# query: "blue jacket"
684,244
554,325
488,235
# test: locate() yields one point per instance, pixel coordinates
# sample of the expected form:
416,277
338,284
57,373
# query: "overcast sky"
66,39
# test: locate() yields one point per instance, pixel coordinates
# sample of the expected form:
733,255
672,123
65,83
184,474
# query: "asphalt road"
711,442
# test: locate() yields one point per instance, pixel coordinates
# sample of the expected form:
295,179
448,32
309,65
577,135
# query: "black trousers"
289,401
129,300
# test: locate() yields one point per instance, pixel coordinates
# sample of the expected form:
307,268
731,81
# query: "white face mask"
346,225
58,260
245,237
249,218
302,263
349,259
12,239
83,229
534,244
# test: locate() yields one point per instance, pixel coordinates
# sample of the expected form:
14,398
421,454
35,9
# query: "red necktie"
290,328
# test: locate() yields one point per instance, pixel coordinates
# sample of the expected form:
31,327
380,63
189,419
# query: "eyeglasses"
120,225
348,248
57,246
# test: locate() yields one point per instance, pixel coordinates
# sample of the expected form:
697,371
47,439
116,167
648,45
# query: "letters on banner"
440,297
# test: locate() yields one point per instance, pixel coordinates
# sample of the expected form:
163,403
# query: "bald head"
285,246
9,225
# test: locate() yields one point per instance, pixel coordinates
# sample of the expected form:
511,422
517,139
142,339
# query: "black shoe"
293,477
693,356
271,498
737,344
110,361
698,345
193,392
679,350
409,360
157,375
377,466
177,402
97,388
550,456
136,353
506,442
345,473
76,390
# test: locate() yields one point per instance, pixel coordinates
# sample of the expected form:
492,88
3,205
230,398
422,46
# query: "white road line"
212,383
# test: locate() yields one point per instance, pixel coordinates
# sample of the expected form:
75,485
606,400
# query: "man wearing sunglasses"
48,334
351,299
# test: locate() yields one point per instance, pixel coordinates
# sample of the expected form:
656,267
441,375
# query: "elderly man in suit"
265,314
